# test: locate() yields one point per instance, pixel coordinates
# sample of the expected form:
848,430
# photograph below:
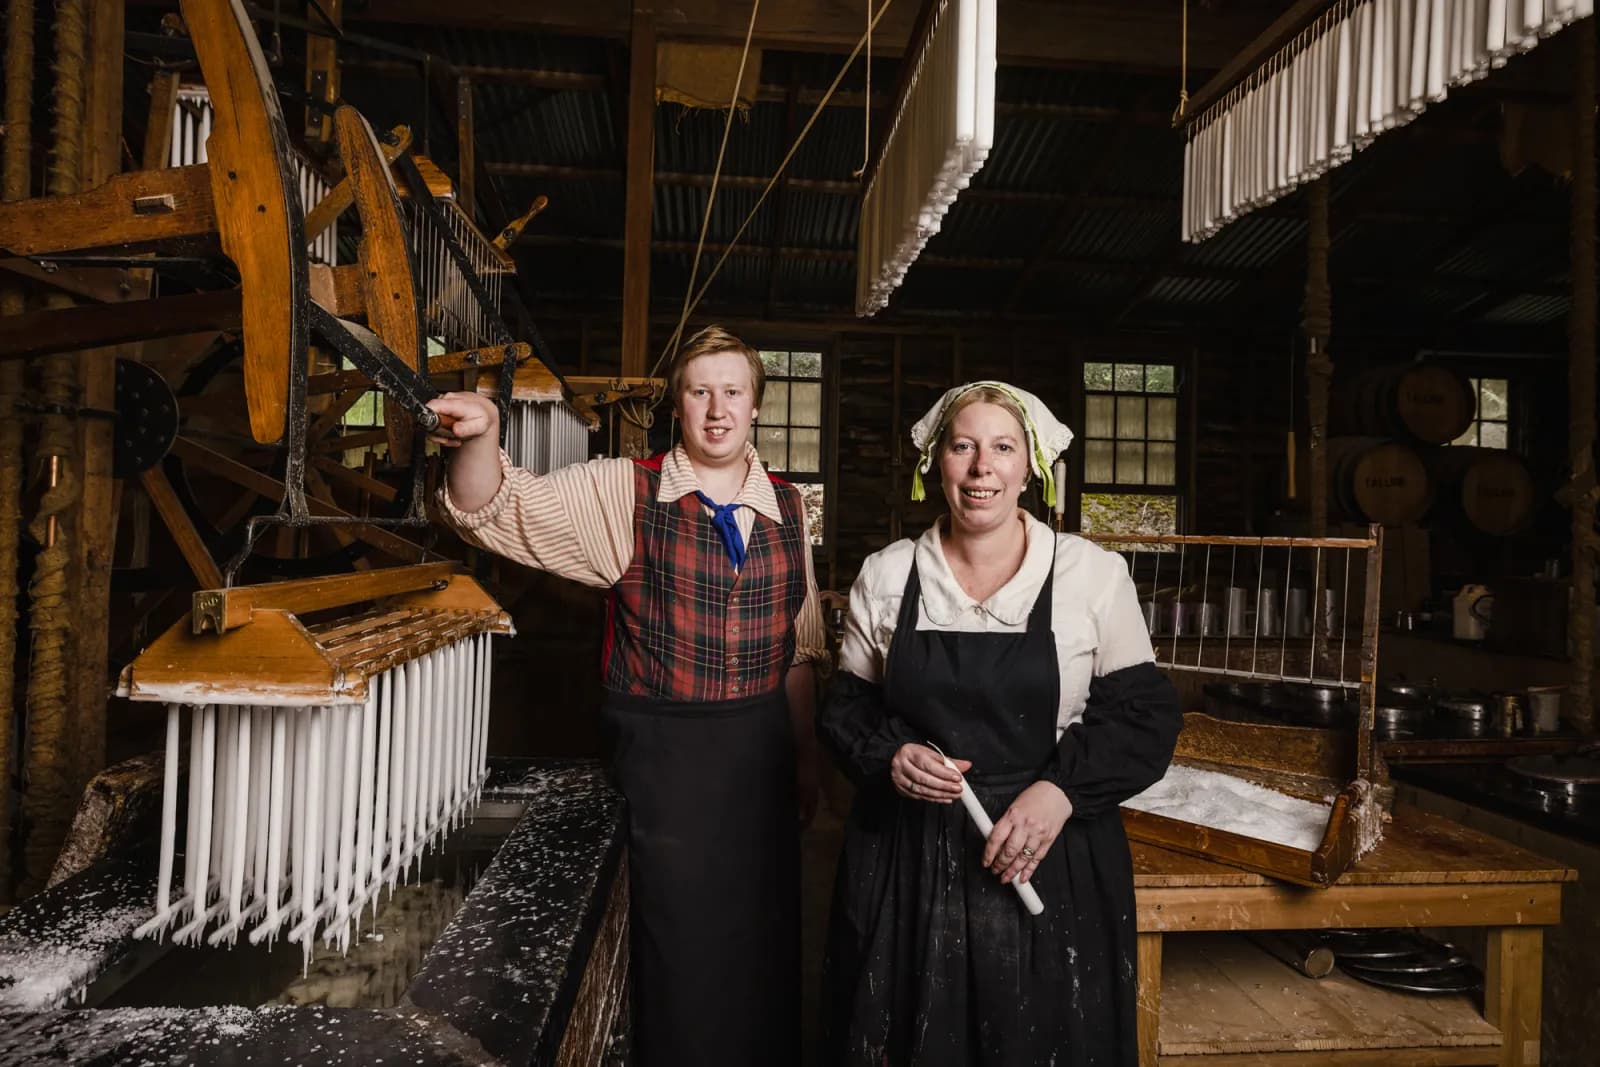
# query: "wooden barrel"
1376,480
1489,487
1423,402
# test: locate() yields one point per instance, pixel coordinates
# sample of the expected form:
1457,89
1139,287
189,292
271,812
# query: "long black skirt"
932,962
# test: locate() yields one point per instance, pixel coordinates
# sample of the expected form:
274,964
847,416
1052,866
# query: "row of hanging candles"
1363,67
937,141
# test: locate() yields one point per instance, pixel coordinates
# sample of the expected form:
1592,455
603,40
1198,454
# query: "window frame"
1478,421
1178,488
823,352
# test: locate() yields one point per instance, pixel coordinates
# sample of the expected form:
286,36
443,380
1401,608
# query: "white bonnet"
1048,437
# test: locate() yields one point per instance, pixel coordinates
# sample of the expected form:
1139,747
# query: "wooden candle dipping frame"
1337,766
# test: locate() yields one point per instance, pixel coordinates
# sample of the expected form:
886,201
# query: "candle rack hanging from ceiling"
1330,77
938,139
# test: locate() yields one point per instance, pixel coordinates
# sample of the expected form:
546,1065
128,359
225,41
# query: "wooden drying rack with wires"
1297,611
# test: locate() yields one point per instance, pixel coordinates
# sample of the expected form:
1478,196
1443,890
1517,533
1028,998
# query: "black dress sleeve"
1123,744
855,725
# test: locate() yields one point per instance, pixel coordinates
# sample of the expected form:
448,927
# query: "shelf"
1226,1002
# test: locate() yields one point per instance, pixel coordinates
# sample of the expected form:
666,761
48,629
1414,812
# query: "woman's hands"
1026,831
475,416
919,773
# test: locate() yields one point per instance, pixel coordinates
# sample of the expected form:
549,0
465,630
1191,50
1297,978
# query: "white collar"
943,599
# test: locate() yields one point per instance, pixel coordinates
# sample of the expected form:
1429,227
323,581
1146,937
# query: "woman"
1021,654
712,629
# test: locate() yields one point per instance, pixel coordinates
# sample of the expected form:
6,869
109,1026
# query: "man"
712,628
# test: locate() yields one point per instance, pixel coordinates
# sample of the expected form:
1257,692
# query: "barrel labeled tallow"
1422,402
1489,487
1377,480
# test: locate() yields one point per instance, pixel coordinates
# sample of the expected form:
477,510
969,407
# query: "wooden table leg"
1149,999
1512,985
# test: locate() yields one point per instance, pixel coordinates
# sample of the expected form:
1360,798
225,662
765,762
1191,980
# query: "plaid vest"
682,624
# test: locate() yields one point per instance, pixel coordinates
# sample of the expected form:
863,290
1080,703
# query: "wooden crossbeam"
221,610
75,329
137,211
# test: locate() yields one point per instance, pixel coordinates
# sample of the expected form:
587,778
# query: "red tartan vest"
682,624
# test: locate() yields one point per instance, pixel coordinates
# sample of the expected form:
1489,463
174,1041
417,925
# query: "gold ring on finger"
1028,852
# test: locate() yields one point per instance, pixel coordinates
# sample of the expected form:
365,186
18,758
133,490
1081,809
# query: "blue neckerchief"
727,528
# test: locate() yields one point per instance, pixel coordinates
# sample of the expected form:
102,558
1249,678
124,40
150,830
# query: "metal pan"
1460,980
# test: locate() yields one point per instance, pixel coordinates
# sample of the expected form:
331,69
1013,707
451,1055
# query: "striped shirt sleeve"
576,522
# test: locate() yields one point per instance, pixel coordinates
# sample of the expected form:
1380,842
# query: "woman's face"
983,465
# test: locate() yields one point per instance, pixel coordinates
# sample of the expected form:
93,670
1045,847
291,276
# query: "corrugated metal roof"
1253,241
1120,235
1530,311
1193,291
1424,223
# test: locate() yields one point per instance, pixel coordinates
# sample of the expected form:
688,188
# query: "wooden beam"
636,209
322,67
1257,52
342,195
190,544
103,285
93,326
218,610
1141,35
138,211
96,521
158,128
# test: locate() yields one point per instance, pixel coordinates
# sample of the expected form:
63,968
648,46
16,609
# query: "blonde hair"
984,394
712,341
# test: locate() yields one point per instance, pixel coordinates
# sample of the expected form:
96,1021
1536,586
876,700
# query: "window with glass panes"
788,430
1130,448
1491,428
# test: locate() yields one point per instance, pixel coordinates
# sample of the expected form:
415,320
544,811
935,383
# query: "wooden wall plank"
640,188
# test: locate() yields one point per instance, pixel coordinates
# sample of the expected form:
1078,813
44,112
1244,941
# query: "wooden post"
1581,383
96,524
14,185
640,186
322,68
1512,979
1148,998
831,372
1317,325
466,147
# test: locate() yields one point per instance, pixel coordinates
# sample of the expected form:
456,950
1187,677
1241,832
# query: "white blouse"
1094,615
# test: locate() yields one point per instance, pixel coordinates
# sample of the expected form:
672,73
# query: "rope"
866,106
716,177
49,794
772,181
1183,76
14,185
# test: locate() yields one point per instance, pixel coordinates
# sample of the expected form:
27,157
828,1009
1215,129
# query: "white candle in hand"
985,825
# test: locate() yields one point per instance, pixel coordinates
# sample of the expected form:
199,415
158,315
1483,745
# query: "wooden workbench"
1427,872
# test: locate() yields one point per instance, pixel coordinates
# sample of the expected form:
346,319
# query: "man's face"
716,405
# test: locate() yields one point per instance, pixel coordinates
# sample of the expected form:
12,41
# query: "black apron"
931,960
714,872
